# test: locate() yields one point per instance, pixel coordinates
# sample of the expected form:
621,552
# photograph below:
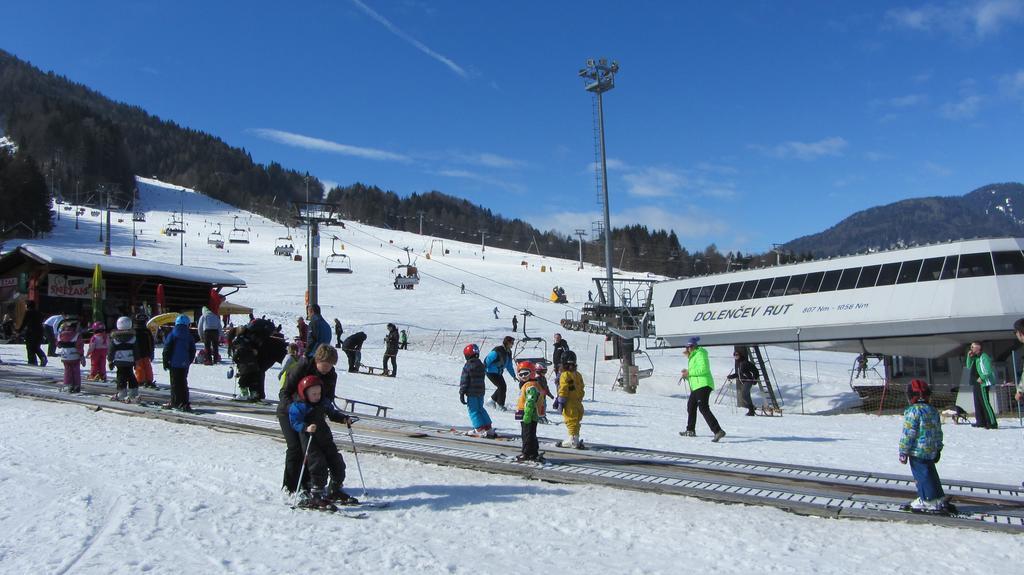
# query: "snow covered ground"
93,492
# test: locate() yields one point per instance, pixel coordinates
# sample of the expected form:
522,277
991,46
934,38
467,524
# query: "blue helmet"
182,319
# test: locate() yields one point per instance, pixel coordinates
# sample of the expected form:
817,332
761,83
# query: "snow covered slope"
128,495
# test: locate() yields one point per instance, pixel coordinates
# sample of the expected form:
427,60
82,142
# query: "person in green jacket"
982,377
698,374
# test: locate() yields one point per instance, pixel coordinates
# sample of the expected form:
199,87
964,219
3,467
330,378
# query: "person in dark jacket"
338,330
321,365
32,328
179,347
471,392
353,348
319,330
145,345
500,359
307,415
121,355
745,374
561,346
391,350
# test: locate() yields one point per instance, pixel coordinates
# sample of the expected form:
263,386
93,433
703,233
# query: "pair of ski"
539,461
948,510
353,511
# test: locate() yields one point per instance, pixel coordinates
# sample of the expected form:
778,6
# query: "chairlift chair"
406,275
94,213
528,348
138,216
216,239
337,262
285,246
238,235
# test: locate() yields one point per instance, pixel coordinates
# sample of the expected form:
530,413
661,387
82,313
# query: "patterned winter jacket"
472,381
922,431
123,350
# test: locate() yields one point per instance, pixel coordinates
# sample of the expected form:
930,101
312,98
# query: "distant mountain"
989,211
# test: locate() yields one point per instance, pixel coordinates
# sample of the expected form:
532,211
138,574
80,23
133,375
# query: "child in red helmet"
471,392
529,410
308,416
921,447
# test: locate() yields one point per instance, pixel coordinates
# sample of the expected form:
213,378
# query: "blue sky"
737,123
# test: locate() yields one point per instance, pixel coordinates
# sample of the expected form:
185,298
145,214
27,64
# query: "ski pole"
355,454
302,470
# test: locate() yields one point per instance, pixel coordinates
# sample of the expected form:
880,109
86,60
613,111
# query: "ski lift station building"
917,308
60,281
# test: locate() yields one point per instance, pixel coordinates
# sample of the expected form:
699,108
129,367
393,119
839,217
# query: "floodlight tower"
599,77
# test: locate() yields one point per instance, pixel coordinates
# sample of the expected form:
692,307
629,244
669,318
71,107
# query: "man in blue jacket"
179,348
319,330
500,359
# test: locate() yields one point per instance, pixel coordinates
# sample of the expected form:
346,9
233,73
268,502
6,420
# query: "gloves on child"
938,455
462,398
558,405
903,458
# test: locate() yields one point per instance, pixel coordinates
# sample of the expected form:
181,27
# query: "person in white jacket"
210,329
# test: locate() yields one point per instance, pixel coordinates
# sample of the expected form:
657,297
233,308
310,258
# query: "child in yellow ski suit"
570,400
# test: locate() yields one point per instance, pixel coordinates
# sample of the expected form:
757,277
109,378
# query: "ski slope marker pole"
355,454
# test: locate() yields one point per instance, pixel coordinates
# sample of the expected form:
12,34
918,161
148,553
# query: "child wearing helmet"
570,399
529,410
471,392
499,360
71,348
179,347
921,447
98,345
308,414
121,355
147,351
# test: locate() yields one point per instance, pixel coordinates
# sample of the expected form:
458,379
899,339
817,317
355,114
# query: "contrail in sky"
416,43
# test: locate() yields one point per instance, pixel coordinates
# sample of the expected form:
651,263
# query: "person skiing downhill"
472,389
500,359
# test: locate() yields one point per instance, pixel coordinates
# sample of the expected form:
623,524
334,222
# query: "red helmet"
308,382
526,370
470,351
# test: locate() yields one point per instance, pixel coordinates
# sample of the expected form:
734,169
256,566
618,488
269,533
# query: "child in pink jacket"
98,352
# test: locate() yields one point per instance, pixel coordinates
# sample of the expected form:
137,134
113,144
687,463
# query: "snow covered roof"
132,266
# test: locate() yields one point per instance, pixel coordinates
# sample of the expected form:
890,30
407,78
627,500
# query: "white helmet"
124,322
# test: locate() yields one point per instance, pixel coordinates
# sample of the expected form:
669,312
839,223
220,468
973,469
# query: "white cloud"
487,160
687,223
482,179
654,182
1013,83
980,18
328,184
965,109
832,146
908,101
874,156
415,43
311,143
934,169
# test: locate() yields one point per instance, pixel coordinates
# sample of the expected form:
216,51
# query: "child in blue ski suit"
471,391
500,359
921,447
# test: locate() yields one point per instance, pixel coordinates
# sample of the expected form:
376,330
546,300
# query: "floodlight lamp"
603,62
590,62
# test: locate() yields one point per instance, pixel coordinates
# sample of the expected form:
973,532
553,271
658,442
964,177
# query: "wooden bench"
350,406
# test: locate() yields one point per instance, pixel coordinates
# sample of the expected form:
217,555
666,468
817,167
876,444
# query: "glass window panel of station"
849,279
691,296
909,271
949,268
704,295
975,265
763,287
733,292
812,282
719,293
796,284
779,287
679,298
1009,263
747,291
830,281
887,275
931,269
868,276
